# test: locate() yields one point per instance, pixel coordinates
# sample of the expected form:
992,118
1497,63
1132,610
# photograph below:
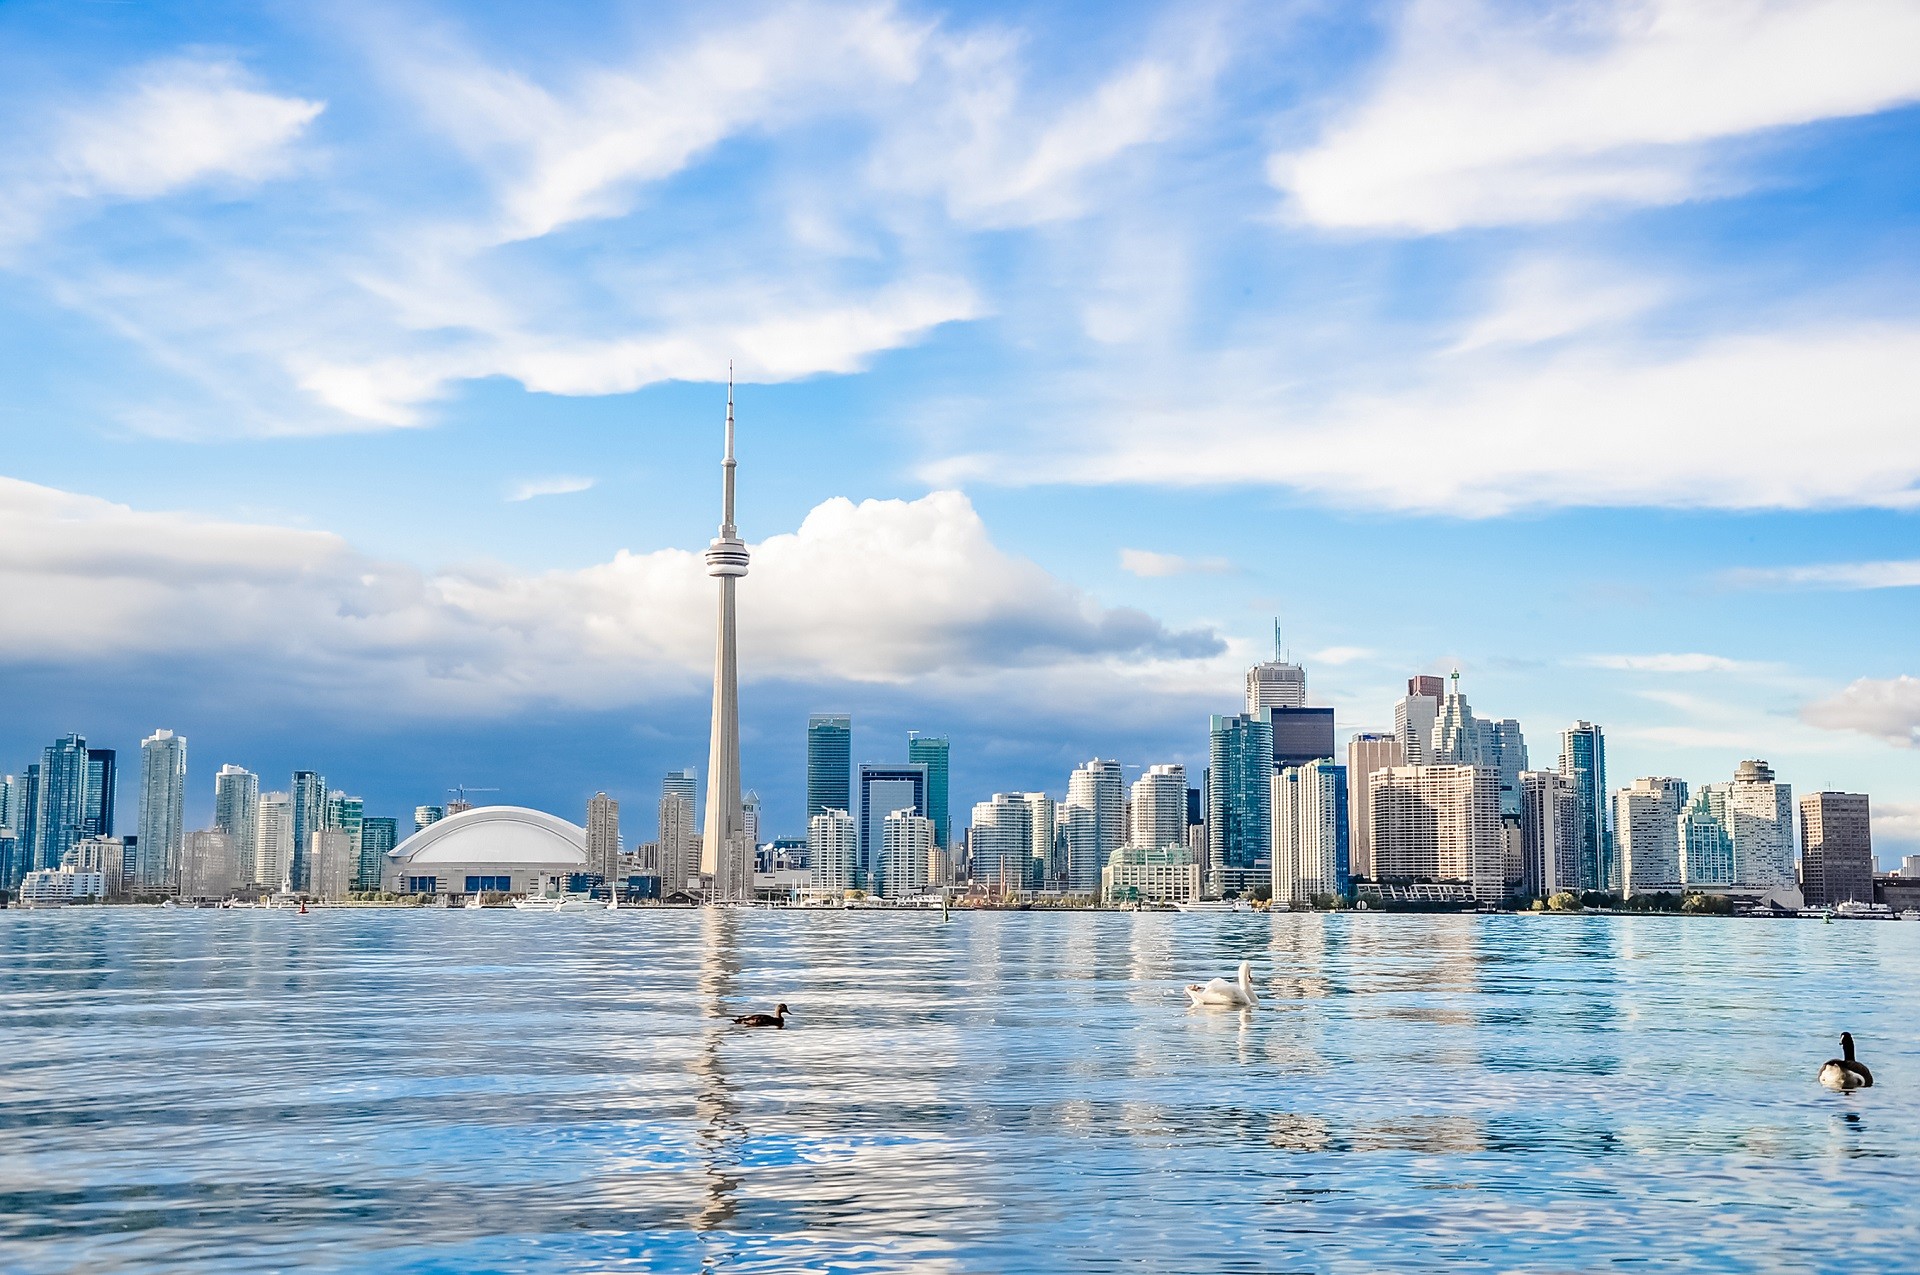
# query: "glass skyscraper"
829,763
163,789
378,834
931,751
1583,760
1240,800
98,820
62,815
309,817
883,790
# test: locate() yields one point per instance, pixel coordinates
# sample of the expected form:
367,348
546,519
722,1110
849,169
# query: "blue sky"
363,377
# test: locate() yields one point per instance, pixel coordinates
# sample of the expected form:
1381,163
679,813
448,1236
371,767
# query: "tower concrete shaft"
726,858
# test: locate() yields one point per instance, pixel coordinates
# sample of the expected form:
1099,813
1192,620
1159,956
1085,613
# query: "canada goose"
778,1018
1844,1072
1220,994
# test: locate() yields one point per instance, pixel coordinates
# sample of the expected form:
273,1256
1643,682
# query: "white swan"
1220,994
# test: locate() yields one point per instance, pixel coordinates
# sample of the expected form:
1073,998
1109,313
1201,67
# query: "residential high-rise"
348,815
1310,832
101,785
378,836
1366,753
1759,822
933,752
331,861
1504,747
163,791
236,812
273,842
1646,825
9,787
726,850
1836,848
1159,808
1276,683
209,865
1100,786
1549,834
309,816
105,855
61,819
833,851
677,864
1706,848
1001,841
1240,802
1439,823
425,816
26,831
1047,861
829,763
883,790
750,818
1076,837
1414,716
1583,759
908,851
603,838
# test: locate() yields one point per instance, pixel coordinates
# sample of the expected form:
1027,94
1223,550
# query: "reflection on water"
468,1091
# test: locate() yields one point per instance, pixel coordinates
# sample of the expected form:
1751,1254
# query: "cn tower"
726,859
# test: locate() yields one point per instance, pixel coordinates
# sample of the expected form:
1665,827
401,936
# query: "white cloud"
1896,829
1149,565
1548,299
558,486
1831,575
1789,420
1684,662
1496,115
1339,655
878,592
1886,708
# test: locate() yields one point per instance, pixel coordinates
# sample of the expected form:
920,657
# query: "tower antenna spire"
727,464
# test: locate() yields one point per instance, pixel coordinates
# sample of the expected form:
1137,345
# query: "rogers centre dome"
503,848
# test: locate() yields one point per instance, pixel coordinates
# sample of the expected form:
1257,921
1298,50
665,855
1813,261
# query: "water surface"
433,1091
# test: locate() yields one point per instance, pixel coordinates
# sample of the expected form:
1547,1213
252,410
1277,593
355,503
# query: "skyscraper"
677,865
829,763
931,751
348,814
1583,760
1099,786
1706,849
378,835
603,839
1759,822
1549,834
163,790
833,851
101,785
1159,808
273,842
425,816
1413,717
236,812
1276,683
1836,848
1047,859
1077,842
61,819
908,838
1646,822
1366,753
1301,735
26,831
1310,835
9,787
1001,841
1439,823
309,816
883,790
726,852
1240,801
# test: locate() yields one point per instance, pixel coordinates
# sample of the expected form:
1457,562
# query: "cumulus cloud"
1149,565
1496,115
1887,708
876,592
1830,575
1896,829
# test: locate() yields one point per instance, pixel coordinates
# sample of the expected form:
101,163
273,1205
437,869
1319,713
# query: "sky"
362,372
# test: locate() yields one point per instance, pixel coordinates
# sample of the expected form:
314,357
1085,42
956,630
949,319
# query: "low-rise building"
57,887
1164,874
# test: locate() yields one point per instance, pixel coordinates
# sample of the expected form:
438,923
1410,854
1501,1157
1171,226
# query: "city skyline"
1043,440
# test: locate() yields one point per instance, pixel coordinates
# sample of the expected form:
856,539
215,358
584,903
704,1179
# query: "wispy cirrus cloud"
557,486
1149,565
1489,115
1676,662
1894,574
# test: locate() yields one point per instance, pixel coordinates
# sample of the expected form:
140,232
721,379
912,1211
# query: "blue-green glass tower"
1240,799
62,815
932,752
829,763
1583,759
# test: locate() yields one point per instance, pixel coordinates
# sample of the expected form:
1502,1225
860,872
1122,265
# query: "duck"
1220,994
1843,1072
778,1018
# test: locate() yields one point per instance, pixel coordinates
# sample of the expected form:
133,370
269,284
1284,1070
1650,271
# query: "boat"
1911,914
567,903
473,901
1214,905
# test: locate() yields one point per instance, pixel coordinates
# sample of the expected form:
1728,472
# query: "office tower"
1276,683
1239,802
1366,753
209,866
347,814
1836,848
1583,759
907,852
378,836
1309,832
236,812
830,763
1439,823
26,831
9,788
102,782
163,790
331,861
1549,834
1160,807
1706,849
425,816
273,842
1759,822
1646,825
603,838
309,817
726,851
61,818
1001,842
1100,787
1076,837
833,851
677,862
1301,735
884,789
1414,716
1504,747
750,817
1456,739
932,751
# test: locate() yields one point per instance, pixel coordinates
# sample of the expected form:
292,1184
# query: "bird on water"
1218,993
778,1018
1844,1072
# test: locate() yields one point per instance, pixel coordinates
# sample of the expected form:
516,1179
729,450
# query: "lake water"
426,1091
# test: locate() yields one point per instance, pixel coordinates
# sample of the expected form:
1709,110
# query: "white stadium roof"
496,834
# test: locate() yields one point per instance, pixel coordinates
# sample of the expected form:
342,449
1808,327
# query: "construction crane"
460,792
